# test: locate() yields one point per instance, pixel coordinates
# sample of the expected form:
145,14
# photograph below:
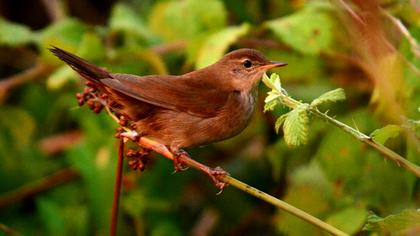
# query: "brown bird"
194,109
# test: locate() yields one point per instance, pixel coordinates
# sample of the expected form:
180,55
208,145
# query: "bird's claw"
177,163
214,174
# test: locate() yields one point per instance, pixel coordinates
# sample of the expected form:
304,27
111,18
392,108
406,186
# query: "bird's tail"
86,69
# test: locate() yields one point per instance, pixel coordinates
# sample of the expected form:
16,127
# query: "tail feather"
81,66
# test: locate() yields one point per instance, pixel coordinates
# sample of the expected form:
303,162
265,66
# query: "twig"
169,47
184,159
117,189
48,182
8,231
34,72
387,153
54,9
157,147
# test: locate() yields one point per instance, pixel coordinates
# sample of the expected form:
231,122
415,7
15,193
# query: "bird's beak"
272,64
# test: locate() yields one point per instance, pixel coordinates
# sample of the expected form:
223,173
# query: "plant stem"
184,159
117,190
387,153
159,148
38,186
282,205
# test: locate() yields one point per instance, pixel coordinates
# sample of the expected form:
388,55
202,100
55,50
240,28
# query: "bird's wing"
183,94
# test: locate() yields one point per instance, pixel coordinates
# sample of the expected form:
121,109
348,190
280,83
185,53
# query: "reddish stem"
117,190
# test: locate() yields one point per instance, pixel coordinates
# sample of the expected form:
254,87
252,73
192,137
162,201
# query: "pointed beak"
272,64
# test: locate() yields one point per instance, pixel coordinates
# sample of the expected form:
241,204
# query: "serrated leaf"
280,121
383,134
267,81
295,126
217,44
272,82
13,34
271,96
406,221
269,106
330,96
308,31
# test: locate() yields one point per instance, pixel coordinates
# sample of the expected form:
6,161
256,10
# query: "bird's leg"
183,158
177,163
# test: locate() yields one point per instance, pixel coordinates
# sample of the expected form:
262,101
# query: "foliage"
327,173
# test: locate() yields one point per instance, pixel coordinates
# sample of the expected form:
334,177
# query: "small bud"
91,104
81,101
90,84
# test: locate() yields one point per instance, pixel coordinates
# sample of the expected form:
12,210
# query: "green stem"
282,205
387,153
159,148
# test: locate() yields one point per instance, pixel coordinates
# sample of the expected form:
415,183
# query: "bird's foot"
215,174
179,166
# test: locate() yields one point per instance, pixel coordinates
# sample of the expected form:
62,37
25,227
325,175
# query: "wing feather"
185,94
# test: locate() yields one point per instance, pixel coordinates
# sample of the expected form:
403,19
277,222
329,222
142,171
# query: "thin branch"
13,81
184,159
54,9
117,190
159,148
387,153
8,231
169,47
31,189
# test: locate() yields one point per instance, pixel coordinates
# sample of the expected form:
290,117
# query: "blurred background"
57,161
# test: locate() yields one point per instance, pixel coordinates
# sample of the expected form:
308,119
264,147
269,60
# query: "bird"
183,111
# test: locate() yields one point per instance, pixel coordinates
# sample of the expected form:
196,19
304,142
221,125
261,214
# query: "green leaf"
383,134
310,191
349,220
51,216
123,18
60,77
295,126
13,34
406,221
66,34
187,19
217,44
280,121
272,82
271,101
330,96
308,31
91,47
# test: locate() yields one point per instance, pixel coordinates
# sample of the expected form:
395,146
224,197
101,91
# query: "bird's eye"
247,63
